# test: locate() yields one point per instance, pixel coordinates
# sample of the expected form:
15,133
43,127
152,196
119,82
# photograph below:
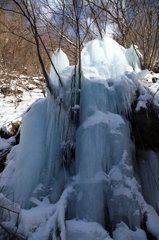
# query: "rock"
156,67
10,130
145,128
3,156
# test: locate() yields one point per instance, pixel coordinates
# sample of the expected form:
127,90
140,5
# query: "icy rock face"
75,161
94,160
60,129
31,155
103,137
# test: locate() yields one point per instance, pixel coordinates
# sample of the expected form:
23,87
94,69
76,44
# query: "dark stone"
6,91
17,137
156,68
3,156
4,133
145,128
154,79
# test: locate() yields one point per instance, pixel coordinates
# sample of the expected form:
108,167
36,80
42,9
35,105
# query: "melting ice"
73,175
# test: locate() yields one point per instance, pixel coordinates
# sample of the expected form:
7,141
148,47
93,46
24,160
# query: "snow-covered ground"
13,106
17,95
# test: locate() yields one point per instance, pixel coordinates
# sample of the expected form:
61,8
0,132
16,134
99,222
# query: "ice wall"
60,129
31,157
103,137
76,160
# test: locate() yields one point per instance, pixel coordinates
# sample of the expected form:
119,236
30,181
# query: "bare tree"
70,24
134,22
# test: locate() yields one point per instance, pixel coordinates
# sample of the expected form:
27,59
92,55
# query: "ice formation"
75,175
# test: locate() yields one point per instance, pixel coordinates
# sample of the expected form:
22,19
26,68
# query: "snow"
11,110
115,174
47,218
7,173
72,179
143,100
122,232
112,119
85,231
4,144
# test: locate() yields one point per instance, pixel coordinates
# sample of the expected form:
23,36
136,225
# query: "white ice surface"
31,154
113,120
60,62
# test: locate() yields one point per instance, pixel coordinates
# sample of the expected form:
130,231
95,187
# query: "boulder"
10,130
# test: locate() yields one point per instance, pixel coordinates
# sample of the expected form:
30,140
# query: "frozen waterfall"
75,175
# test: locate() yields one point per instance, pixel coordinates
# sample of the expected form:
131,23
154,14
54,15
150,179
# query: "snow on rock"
143,101
14,104
122,232
99,117
143,75
6,143
152,222
85,230
45,219
6,175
